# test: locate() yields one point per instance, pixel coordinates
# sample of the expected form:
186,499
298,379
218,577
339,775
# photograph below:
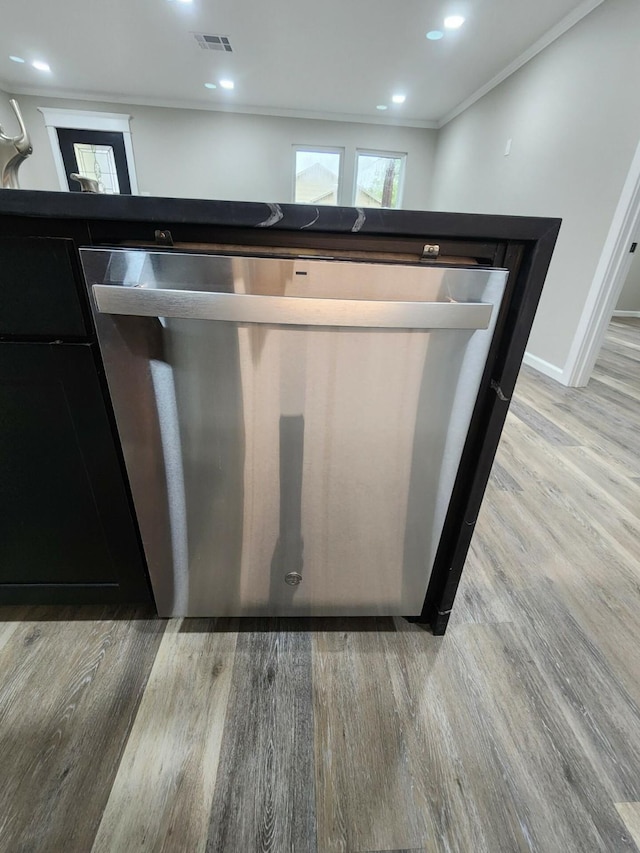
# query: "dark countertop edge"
289,217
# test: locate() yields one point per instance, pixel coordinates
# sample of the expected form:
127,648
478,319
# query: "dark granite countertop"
290,217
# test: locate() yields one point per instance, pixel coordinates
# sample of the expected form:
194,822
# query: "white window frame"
372,152
85,120
321,149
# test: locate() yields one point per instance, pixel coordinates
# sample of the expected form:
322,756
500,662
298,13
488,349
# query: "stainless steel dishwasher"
292,428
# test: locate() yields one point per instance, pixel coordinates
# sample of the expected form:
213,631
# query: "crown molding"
548,38
279,112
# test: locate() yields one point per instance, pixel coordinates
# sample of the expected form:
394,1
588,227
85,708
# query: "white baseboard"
626,313
545,367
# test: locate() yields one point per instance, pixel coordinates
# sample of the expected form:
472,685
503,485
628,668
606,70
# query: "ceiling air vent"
208,42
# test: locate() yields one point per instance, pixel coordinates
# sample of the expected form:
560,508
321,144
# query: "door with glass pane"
96,154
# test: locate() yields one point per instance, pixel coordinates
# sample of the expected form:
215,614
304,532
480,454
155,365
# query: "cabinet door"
39,294
66,529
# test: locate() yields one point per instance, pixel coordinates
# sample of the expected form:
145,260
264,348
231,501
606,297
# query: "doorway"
94,144
628,304
610,276
96,154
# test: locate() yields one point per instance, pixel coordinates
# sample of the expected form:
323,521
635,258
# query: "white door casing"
608,281
87,120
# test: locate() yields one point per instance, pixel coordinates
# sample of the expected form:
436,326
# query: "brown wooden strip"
264,794
72,682
161,797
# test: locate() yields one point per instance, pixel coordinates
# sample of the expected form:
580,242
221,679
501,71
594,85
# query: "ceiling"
337,58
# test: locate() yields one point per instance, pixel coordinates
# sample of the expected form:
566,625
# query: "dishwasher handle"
290,310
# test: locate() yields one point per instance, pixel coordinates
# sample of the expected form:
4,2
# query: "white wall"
204,154
629,299
573,114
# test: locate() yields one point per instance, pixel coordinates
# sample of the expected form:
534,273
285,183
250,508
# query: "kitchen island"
71,528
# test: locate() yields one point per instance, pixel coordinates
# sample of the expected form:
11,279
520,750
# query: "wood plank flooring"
69,693
163,792
517,731
264,795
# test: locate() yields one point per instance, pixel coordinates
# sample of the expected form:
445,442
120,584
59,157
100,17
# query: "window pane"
317,177
98,162
378,180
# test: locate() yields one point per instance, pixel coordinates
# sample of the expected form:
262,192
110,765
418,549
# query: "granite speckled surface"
291,217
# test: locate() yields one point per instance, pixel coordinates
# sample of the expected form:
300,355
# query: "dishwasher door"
291,429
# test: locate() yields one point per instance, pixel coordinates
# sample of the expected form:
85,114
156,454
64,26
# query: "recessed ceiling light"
16,59
41,66
435,35
381,107
453,22
399,99
227,84
210,86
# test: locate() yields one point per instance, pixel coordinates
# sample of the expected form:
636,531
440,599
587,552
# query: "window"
379,179
317,175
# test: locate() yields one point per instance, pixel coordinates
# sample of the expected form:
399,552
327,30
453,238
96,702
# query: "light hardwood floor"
518,731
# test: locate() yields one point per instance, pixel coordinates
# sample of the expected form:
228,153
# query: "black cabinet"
67,533
39,293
